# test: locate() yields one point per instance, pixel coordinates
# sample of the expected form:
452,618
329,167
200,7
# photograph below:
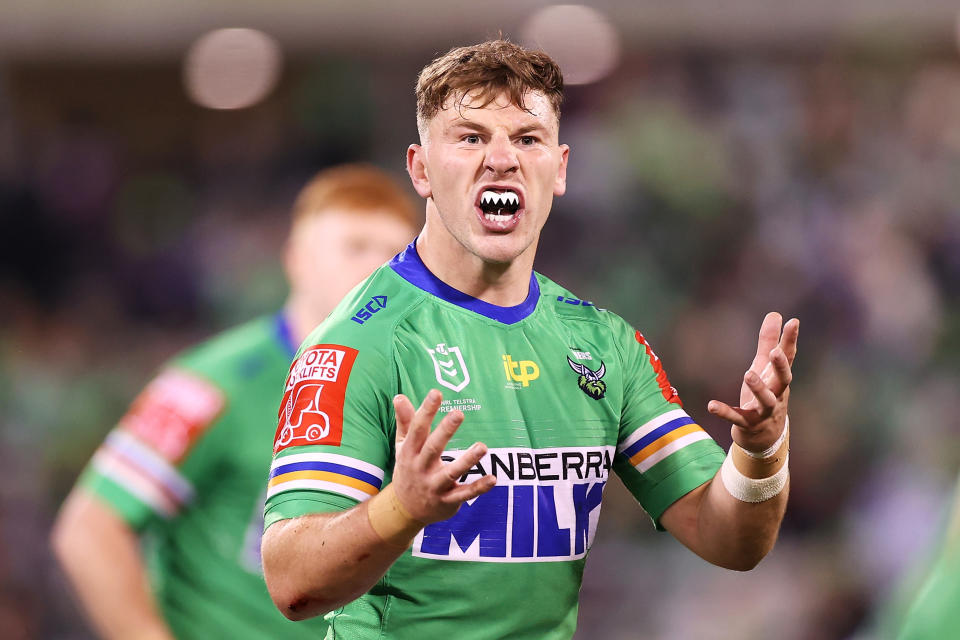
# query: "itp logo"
522,371
450,367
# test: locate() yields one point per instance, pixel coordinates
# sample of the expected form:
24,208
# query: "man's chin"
500,249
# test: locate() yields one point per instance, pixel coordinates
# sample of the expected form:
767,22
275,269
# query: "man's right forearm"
100,555
316,563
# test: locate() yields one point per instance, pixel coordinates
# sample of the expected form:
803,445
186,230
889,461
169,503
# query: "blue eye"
472,139
527,140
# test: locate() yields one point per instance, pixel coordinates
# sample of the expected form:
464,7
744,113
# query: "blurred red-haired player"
186,464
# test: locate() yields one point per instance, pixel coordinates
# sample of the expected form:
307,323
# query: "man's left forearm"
724,530
738,535
733,520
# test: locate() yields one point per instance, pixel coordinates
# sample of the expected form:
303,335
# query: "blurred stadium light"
580,39
231,68
31,29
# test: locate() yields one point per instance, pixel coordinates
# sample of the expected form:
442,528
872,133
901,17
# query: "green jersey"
559,391
186,466
932,613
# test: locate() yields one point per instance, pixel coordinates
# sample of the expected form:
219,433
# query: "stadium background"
802,156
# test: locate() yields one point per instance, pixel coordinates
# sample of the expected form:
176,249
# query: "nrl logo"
590,381
449,366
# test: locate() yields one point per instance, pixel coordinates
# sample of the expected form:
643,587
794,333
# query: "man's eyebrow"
530,127
465,123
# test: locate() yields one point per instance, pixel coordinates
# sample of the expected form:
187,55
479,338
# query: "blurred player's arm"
100,555
316,563
729,531
132,479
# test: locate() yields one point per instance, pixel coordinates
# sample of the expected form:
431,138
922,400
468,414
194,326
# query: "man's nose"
501,157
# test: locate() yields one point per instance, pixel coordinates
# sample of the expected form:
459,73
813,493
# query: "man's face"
329,253
490,175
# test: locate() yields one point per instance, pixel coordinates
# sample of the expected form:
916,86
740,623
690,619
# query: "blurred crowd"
704,190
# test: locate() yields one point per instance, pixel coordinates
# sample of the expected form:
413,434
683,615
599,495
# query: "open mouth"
499,205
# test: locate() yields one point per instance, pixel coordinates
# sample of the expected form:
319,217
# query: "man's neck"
301,318
502,284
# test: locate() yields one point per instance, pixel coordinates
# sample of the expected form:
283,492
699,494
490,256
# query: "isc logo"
523,371
366,312
574,301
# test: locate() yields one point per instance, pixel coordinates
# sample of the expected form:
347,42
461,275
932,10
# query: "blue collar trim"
410,267
281,327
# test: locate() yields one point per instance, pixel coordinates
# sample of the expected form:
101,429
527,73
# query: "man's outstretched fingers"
765,398
422,419
404,411
471,490
438,439
455,469
767,340
781,366
788,341
430,405
726,412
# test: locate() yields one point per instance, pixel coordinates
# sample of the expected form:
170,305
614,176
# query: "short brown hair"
487,70
354,187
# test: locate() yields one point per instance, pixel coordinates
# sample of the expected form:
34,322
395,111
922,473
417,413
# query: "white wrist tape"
749,490
772,449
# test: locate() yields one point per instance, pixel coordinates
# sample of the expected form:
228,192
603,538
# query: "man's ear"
560,185
417,169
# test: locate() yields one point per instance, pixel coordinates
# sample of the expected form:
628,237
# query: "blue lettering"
522,542
486,519
480,530
551,539
586,498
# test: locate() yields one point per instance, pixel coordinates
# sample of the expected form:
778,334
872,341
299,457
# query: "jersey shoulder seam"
575,318
417,302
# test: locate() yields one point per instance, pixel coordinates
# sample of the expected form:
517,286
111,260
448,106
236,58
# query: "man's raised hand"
425,485
765,393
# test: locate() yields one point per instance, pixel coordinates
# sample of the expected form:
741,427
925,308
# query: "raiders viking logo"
590,381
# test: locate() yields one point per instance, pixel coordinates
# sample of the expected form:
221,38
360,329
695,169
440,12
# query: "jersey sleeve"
138,469
333,442
662,454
